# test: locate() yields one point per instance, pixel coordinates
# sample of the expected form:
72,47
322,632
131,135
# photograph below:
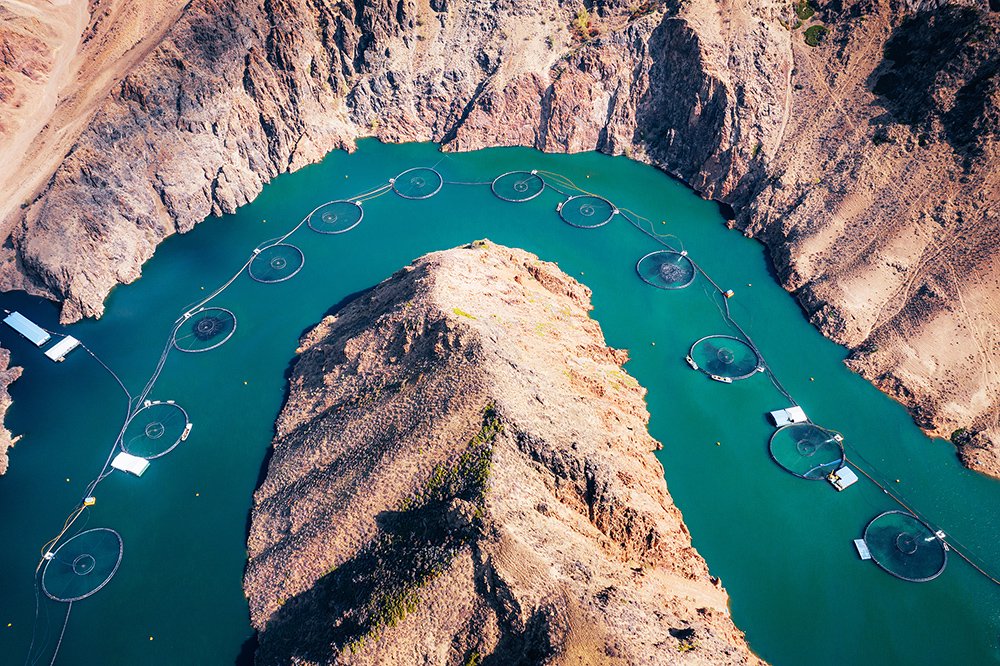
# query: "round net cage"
418,183
587,211
905,546
807,451
336,217
666,269
276,263
206,329
83,565
725,357
155,430
518,186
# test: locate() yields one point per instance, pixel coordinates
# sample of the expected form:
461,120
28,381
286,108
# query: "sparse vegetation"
644,9
816,34
582,27
462,313
962,436
422,544
804,10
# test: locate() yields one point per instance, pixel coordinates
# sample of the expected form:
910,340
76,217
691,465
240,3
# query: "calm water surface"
781,545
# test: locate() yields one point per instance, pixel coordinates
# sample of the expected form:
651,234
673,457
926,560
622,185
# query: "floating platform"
783,417
862,549
126,462
59,350
29,329
843,478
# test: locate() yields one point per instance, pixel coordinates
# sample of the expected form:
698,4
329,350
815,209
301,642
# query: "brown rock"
441,488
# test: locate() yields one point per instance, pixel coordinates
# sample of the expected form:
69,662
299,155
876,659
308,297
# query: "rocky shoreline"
523,519
7,377
865,163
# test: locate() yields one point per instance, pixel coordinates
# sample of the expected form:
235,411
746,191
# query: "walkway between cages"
199,327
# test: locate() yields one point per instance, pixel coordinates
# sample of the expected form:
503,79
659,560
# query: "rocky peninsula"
462,474
865,161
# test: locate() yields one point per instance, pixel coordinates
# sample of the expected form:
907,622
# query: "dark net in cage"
155,430
666,269
336,217
276,263
807,451
206,329
587,211
417,183
905,546
82,565
725,357
518,186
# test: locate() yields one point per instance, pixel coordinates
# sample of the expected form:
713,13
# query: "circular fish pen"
587,211
807,450
666,269
417,183
724,358
905,546
155,430
336,217
276,263
204,330
517,186
82,565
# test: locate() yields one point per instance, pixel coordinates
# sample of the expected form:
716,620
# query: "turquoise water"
781,545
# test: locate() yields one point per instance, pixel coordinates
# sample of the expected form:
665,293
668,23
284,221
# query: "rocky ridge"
866,163
462,474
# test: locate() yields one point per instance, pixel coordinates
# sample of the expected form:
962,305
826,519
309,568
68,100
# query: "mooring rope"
69,607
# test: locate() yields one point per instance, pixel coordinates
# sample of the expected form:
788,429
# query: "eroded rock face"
462,468
868,164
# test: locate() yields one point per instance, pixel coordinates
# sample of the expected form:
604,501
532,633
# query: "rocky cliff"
462,475
856,138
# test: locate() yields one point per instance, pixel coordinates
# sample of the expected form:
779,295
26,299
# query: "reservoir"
782,545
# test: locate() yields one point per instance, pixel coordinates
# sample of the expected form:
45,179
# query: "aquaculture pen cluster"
74,568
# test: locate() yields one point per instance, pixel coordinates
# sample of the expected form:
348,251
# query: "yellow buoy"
197,494
653,343
244,383
718,443
67,480
150,638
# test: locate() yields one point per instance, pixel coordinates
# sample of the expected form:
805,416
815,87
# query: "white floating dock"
59,350
783,417
862,549
843,478
27,328
126,462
